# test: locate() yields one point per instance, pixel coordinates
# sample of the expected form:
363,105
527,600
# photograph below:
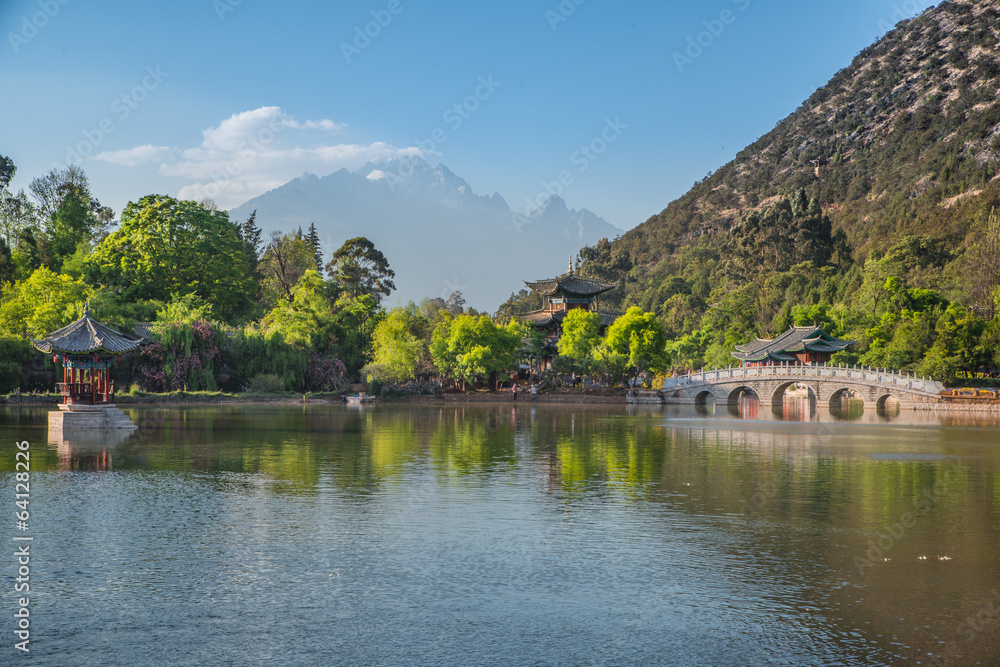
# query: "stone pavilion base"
88,418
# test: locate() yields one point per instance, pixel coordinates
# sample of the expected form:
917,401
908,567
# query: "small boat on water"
360,399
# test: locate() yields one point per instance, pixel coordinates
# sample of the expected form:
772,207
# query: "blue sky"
230,98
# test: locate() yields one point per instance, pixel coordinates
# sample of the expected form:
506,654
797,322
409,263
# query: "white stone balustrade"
869,376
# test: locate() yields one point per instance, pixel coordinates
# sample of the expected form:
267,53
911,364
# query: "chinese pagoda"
798,345
87,350
561,295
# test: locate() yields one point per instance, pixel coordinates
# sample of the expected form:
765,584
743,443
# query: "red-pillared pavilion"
87,350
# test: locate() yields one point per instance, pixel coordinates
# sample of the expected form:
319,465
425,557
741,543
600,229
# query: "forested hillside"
872,210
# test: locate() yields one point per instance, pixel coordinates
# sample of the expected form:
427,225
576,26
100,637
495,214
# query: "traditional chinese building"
798,345
87,351
561,295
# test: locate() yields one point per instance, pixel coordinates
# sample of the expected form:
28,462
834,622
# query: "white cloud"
133,157
255,151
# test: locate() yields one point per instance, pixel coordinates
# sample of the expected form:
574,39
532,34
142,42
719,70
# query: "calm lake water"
488,535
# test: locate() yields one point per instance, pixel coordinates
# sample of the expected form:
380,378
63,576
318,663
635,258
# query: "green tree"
7,171
252,243
361,268
358,316
314,245
471,348
958,346
35,307
286,259
640,338
7,267
52,190
166,247
581,333
17,213
400,346
69,226
982,264
27,254
307,320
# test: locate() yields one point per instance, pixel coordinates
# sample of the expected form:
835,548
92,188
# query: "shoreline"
567,398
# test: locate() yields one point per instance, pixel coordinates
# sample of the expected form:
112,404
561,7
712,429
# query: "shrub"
325,373
266,383
10,376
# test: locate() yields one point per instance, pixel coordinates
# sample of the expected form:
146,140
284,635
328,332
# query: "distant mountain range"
438,235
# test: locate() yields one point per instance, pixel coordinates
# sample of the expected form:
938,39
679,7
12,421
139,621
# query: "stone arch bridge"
829,384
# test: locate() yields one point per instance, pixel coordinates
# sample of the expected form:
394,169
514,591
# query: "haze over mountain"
438,235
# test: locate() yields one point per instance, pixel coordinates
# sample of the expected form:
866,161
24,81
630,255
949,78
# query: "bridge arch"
839,395
777,396
743,401
703,398
887,403
743,390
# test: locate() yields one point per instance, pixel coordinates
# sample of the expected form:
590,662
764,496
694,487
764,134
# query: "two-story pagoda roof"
782,348
86,336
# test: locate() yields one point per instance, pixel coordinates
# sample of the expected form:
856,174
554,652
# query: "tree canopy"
170,247
361,268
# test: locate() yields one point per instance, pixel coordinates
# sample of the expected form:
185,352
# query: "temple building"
798,345
87,350
561,295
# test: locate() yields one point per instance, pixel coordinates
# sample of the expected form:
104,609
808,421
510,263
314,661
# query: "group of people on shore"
575,381
534,390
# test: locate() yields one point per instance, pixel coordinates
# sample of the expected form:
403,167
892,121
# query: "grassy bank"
135,397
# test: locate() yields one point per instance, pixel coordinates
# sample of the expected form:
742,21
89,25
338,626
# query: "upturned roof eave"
85,336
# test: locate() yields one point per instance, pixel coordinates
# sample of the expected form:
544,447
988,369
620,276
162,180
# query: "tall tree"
168,247
70,225
41,304
7,267
17,213
400,346
581,333
470,348
639,337
361,268
50,189
308,318
286,259
7,171
314,245
982,262
54,189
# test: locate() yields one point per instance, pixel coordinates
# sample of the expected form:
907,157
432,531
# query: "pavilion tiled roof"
796,339
541,318
571,285
85,336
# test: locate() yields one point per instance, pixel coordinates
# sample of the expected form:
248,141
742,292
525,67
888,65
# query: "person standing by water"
534,391
514,391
